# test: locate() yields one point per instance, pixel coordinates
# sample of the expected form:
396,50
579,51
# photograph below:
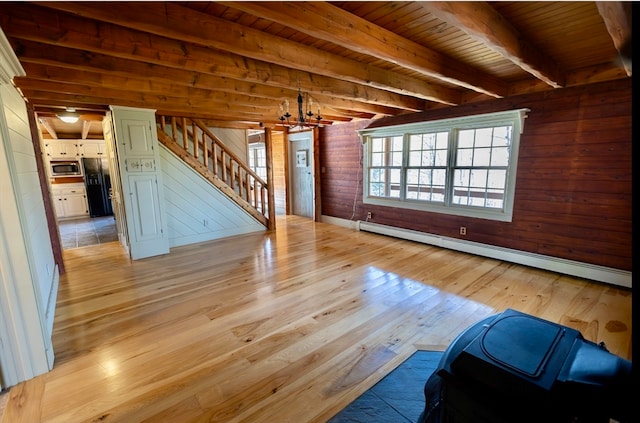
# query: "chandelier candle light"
305,119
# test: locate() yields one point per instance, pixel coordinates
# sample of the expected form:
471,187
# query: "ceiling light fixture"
70,116
306,117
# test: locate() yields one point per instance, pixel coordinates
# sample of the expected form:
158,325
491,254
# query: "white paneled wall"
28,272
234,139
196,210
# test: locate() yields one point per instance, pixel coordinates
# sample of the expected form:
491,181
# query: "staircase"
196,145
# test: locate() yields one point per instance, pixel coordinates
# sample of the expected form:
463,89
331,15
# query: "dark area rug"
398,398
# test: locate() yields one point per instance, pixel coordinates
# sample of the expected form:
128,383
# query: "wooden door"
115,195
301,181
146,218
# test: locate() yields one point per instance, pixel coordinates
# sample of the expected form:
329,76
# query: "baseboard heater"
564,266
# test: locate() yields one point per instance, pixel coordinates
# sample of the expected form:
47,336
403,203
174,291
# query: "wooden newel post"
317,177
271,191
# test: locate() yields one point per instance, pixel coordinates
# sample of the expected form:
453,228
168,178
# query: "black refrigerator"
98,183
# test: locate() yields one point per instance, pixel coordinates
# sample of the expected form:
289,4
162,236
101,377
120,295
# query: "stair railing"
194,142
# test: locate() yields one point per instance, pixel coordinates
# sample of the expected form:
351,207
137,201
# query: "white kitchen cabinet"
70,201
92,148
61,149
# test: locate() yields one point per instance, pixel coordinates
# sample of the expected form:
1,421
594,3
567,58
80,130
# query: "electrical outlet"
369,215
463,230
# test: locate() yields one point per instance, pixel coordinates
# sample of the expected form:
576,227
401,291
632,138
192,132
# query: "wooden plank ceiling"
233,63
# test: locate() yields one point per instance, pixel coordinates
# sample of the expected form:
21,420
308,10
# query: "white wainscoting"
554,264
29,274
196,210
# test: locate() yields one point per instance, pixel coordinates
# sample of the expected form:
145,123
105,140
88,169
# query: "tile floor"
398,397
87,231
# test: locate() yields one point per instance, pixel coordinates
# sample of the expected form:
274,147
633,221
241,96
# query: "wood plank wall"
279,171
279,164
573,190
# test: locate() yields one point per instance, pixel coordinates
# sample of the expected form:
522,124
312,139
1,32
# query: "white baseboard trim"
568,267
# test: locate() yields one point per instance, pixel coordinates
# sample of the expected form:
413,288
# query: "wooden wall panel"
279,174
234,139
573,190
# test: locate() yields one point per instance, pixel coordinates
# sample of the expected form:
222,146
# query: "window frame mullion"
405,166
452,151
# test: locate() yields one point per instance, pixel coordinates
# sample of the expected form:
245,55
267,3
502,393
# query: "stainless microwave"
65,168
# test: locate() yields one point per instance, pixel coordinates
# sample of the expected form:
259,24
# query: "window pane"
482,160
395,176
258,159
460,196
461,177
377,144
426,152
461,186
478,178
465,138
376,189
421,185
377,159
440,158
464,157
484,137
413,176
394,189
377,182
475,199
442,140
495,199
396,143
502,136
396,158
413,182
439,177
377,175
481,156
497,178
415,142
415,158
437,196
500,156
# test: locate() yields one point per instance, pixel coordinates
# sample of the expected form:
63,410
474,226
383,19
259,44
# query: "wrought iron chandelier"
306,117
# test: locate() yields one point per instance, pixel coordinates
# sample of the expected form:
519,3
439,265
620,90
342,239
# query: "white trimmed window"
258,159
462,166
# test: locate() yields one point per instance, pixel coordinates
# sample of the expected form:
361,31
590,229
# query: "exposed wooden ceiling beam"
183,24
87,112
34,52
135,91
86,127
169,105
617,18
130,96
48,127
588,75
482,22
327,22
223,89
235,62
213,123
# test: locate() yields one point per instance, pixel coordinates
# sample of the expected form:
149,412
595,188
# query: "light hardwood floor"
287,326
